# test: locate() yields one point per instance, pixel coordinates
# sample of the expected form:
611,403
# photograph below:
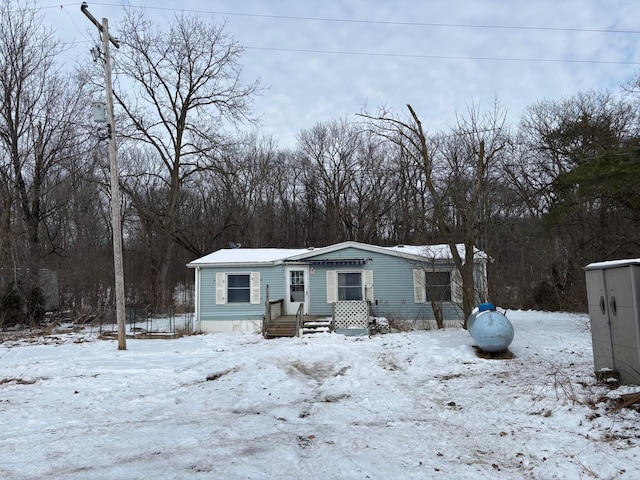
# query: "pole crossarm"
85,9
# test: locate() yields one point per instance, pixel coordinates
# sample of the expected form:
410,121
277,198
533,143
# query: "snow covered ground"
228,406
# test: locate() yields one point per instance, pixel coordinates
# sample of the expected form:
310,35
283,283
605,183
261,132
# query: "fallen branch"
627,399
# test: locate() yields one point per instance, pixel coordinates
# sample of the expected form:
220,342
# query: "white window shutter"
368,285
419,286
255,287
456,286
332,286
221,288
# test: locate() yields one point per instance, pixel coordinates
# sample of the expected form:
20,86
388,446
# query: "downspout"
196,326
636,303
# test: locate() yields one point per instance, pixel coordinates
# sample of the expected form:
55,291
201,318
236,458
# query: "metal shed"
613,291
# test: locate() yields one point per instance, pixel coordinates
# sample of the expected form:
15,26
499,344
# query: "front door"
297,289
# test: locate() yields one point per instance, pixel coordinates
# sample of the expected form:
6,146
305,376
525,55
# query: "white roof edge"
423,251
245,256
270,257
232,264
394,251
613,264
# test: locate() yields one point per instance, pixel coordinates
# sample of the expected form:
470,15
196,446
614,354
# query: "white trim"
419,286
221,288
368,285
254,285
424,251
332,286
291,308
198,298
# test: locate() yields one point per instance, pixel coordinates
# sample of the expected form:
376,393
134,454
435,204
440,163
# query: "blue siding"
393,286
209,310
392,280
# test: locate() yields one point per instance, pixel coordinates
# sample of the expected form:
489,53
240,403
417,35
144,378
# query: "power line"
441,25
391,55
377,22
84,34
445,57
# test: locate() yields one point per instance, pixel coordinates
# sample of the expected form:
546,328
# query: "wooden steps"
284,326
312,325
287,326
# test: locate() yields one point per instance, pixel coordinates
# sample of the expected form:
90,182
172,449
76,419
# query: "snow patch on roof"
613,264
248,255
430,251
232,256
438,252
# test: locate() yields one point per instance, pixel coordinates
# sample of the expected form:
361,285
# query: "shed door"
601,332
622,318
297,289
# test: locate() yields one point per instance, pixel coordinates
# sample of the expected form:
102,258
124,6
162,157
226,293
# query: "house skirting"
230,326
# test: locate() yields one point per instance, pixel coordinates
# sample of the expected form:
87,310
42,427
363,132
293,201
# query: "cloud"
440,56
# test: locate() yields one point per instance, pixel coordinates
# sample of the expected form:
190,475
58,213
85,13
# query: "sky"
405,405
327,60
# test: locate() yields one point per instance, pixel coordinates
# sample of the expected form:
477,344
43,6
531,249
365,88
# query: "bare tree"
328,151
580,156
457,174
178,90
347,181
39,110
82,226
371,194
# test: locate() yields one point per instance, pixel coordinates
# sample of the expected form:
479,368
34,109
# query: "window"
349,286
438,285
296,285
238,288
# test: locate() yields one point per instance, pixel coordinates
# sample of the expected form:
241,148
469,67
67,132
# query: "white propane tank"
491,330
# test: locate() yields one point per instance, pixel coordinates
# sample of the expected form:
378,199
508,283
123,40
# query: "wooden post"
267,312
115,195
116,225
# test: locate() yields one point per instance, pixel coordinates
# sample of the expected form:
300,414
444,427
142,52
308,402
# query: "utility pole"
116,225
